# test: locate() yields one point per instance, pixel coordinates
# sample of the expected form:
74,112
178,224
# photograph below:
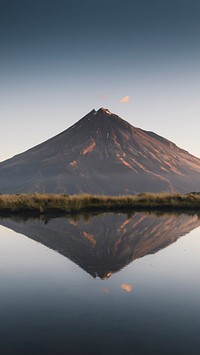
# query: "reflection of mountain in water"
106,243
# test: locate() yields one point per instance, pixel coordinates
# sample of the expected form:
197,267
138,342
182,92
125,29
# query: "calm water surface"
106,284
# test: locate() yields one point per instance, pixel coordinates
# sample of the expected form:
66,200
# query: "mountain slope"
102,154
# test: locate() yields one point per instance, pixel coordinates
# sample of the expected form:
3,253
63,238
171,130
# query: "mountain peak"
105,111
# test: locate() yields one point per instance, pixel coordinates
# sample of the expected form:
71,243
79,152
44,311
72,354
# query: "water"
106,284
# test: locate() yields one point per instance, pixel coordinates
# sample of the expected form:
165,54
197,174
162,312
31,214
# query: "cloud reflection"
126,287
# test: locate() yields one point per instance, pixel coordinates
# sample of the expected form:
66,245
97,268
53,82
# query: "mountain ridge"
102,154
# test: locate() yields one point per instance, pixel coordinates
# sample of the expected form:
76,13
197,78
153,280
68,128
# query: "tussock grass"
56,203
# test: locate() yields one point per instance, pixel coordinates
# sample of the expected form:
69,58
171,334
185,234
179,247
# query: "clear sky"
59,59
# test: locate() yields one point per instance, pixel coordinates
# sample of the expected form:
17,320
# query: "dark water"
107,284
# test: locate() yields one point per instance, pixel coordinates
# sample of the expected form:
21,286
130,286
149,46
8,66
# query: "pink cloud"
126,287
125,99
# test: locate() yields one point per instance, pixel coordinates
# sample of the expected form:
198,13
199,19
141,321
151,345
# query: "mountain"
102,154
104,244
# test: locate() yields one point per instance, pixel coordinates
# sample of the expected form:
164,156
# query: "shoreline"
35,204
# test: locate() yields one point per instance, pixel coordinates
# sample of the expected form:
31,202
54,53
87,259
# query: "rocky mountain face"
104,244
102,154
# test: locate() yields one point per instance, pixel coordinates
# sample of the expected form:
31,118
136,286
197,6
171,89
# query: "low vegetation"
63,204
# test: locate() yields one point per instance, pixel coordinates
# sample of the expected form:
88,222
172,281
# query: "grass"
37,204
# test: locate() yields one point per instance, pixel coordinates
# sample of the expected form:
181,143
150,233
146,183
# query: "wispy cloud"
105,290
125,99
103,97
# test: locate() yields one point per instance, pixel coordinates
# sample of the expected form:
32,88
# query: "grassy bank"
38,204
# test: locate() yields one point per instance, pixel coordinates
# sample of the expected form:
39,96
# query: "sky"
59,59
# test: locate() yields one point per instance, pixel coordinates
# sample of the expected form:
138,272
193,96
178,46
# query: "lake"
100,284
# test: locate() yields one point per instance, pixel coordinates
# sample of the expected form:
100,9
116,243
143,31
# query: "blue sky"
59,59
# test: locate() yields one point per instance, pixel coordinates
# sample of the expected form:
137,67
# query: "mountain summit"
102,154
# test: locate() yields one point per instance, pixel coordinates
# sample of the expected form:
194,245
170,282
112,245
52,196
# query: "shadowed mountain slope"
104,244
102,154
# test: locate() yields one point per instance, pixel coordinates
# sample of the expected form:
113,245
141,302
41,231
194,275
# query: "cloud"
105,290
125,99
126,287
103,97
